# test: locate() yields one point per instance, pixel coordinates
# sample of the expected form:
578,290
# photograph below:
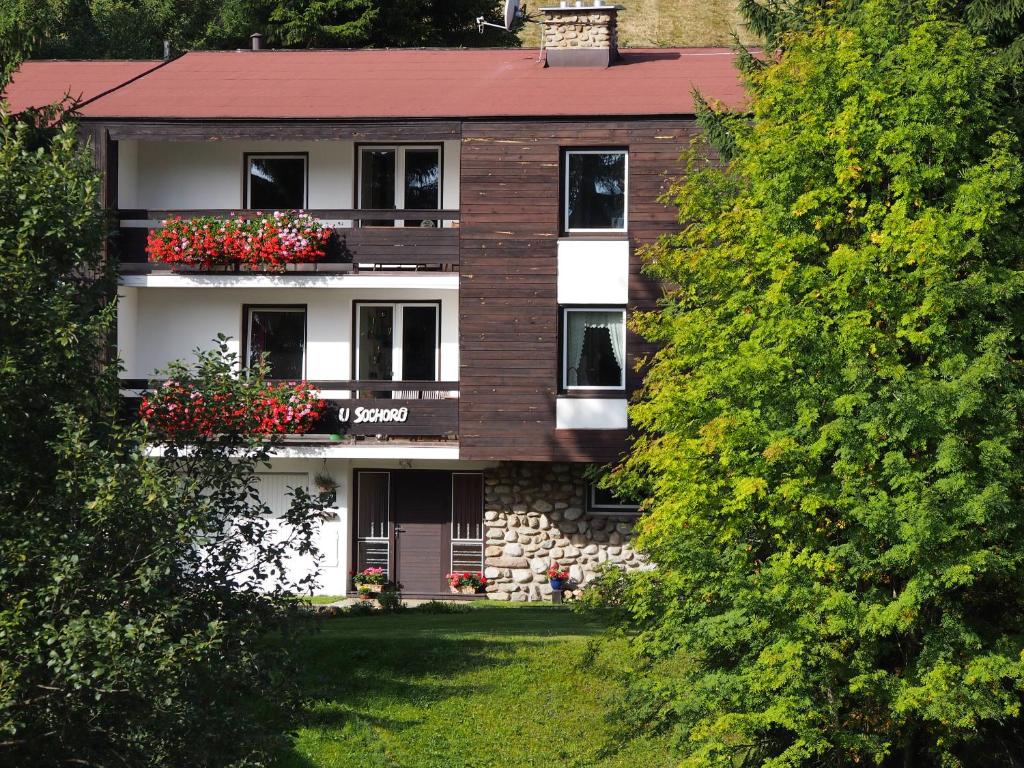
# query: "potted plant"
369,581
466,583
327,487
557,576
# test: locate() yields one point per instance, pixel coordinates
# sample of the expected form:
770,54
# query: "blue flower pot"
556,584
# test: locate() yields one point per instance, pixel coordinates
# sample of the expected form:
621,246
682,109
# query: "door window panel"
377,181
373,532
276,182
419,343
280,334
376,343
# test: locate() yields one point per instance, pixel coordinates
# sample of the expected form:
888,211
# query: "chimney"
257,41
581,35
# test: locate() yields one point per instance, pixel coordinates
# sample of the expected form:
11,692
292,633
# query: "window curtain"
578,323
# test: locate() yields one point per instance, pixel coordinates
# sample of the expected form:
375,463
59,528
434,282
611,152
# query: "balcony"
369,410
361,242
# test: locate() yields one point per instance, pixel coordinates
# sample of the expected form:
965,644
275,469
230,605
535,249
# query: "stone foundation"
535,515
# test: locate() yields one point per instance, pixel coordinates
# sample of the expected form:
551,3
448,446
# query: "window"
397,342
373,512
603,500
595,190
280,334
275,182
467,534
594,348
400,178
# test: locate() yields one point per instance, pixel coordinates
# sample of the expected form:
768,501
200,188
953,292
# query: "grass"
322,599
669,23
501,686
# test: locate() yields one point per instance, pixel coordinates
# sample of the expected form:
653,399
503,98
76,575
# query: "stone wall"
534,515
577,28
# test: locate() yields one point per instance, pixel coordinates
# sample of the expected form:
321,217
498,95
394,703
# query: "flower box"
272,242
465,582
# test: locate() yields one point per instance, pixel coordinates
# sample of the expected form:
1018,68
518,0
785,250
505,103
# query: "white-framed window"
602,500
275,182
593,348
279,332
404,178
398,341
595,183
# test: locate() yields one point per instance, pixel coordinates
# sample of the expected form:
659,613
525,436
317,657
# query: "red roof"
40,83
419,83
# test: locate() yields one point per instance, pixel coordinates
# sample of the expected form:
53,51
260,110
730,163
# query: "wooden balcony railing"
411,409
358,244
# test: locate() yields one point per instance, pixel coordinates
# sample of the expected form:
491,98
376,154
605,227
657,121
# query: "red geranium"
265,242
180,408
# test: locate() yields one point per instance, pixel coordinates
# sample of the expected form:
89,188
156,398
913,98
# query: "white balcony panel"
590,413
439,281
593,271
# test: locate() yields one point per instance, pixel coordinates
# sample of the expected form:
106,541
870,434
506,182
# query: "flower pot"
468,589
557,584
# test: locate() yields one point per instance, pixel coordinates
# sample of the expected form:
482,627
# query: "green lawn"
502,686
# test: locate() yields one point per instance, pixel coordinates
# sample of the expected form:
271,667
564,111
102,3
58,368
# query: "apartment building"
469,327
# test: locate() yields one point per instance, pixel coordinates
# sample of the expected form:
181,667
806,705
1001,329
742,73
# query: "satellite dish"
511,11
511,14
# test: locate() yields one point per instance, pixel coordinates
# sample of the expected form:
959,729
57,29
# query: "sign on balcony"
360,415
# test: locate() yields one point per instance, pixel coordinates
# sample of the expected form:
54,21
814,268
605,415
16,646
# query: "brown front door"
422,517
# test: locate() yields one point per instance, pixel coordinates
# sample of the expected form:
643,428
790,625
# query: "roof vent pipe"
167,50
257,41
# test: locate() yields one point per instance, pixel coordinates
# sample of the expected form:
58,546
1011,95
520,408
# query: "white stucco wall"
169,323
190,175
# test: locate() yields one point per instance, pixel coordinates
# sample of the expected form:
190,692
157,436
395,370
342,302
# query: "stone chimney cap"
580,35
578,6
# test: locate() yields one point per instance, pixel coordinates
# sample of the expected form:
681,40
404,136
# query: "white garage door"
274,488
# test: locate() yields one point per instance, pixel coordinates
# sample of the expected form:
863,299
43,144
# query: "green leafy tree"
144,611
137,28
831,432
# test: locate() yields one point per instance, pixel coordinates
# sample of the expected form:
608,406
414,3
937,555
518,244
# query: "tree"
137,28
144,609
832,429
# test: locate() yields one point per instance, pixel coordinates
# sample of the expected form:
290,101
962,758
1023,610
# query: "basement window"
275,182
595,190
603,500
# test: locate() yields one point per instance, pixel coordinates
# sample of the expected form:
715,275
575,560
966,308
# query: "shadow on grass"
351,665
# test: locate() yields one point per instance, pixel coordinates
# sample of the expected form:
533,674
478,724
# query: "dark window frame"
247,156
356,303
397,146
248,309
608,509
576,390
564,192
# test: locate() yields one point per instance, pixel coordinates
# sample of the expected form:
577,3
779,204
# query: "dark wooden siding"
508,309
